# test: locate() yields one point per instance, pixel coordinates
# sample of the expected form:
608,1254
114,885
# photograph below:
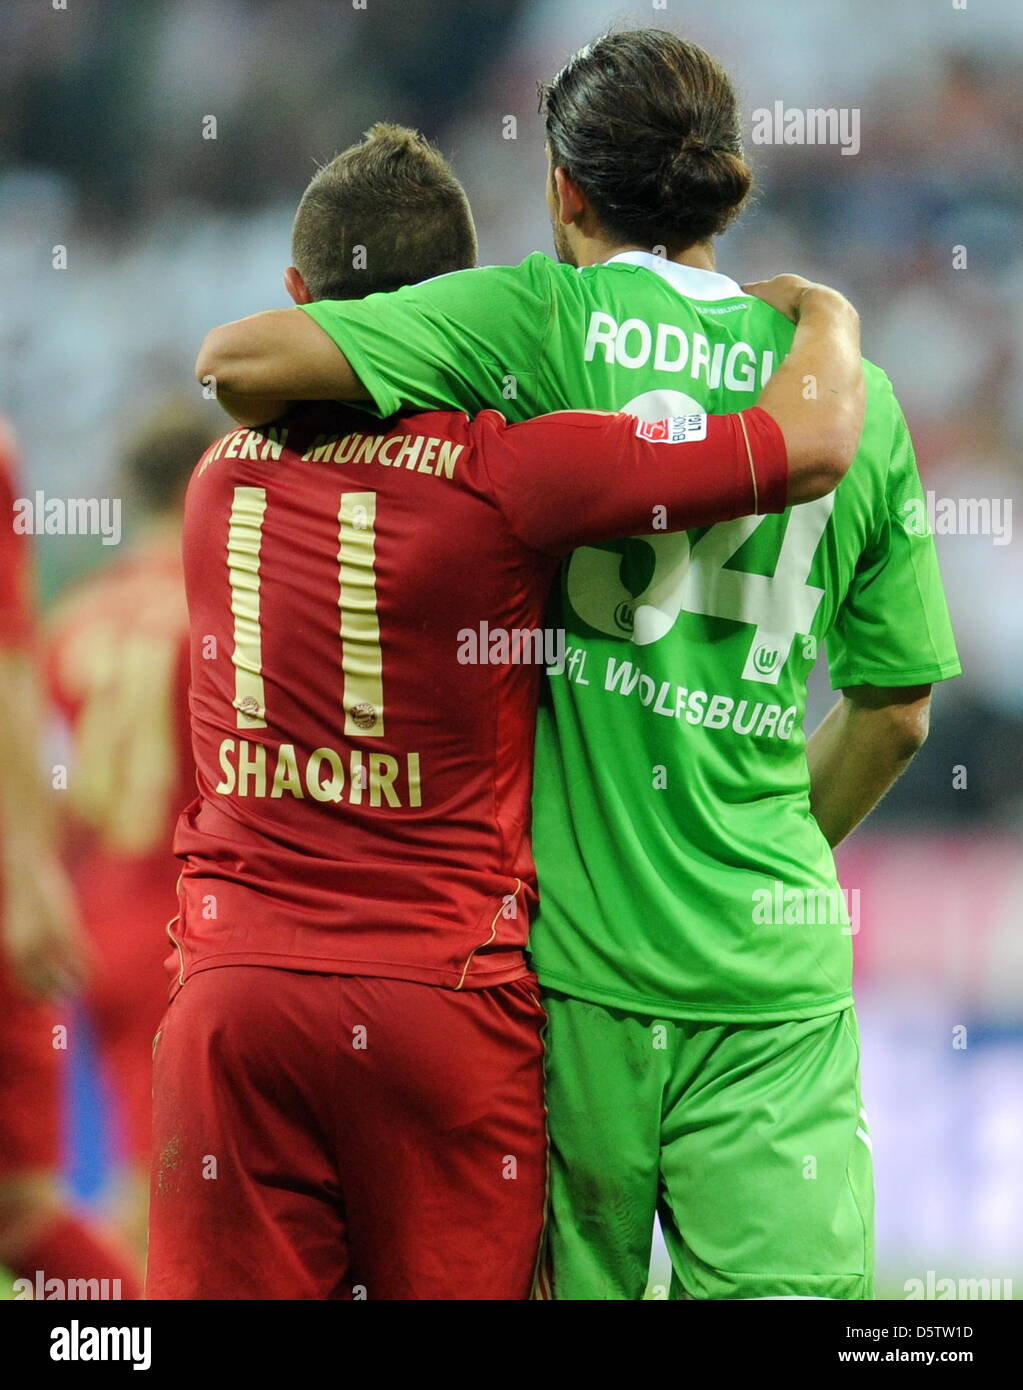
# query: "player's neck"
701,256
595,252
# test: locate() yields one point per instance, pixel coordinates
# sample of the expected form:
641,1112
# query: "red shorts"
30,1081
341,1137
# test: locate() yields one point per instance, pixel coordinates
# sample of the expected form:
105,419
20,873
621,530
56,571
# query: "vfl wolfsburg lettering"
710,711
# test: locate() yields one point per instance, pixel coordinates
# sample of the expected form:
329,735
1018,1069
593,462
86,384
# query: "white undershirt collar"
689,280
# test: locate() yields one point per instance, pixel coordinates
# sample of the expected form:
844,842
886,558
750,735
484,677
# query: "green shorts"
749,1140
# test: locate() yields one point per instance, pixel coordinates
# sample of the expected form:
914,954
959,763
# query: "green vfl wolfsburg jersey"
681,871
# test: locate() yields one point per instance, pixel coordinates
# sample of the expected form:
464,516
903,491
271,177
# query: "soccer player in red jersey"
117,665
42,1240
348,1089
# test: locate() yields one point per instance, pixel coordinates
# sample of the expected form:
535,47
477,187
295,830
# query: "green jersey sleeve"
465,341
893,626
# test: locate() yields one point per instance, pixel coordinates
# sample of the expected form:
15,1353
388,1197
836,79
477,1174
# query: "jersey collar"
689,280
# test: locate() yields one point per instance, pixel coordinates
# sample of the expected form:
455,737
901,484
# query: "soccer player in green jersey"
693,941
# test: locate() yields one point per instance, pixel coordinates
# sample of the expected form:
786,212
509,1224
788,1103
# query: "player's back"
361,770
697,649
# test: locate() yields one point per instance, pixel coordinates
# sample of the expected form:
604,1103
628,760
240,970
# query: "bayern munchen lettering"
250,444
418,453
358,778
634,343
415,453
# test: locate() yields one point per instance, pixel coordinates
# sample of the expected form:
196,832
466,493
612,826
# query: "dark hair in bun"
648,126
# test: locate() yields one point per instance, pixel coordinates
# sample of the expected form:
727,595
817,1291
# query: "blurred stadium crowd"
172,225
168,232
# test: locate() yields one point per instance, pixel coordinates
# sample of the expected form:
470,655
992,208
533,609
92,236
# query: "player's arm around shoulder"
258,364
817,397
391,348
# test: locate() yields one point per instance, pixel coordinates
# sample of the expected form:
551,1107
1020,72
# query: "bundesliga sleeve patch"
679,429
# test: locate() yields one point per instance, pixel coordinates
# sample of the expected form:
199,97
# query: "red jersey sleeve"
579,477
15,557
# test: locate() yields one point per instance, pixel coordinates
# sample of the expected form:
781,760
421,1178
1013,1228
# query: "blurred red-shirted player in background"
117,666
41,1238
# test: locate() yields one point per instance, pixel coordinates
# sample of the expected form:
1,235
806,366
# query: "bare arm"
261,363
40,931
865,743
250,410
817,395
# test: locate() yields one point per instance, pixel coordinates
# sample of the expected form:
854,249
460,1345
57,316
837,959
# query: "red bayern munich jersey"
117,662
364,769
117,667
16,622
